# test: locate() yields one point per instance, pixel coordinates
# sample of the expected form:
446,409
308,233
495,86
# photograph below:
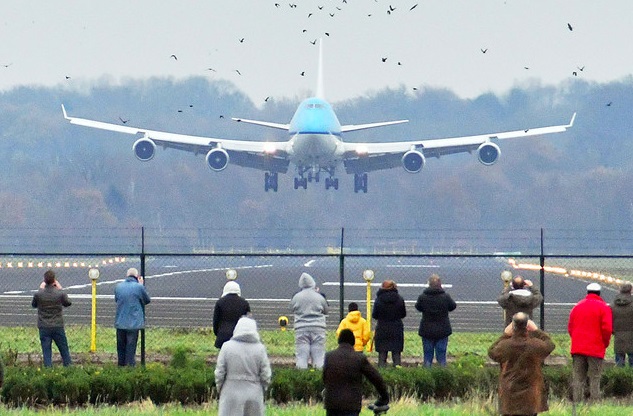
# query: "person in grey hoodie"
622,308
242,373
309,308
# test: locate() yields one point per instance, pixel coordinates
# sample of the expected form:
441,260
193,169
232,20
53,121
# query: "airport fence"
186,279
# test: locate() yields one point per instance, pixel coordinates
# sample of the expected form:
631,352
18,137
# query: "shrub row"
193,383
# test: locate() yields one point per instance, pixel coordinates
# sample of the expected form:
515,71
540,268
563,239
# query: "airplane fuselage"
315,136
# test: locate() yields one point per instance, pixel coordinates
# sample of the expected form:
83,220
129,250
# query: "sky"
265,47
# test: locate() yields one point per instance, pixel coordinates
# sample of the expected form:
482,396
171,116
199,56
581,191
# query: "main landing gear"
311,174
360,182
270,181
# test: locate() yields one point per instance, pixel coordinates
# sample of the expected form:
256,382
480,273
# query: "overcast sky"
437,43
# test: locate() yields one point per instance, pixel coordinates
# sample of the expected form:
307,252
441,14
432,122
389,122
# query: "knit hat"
231,287
353,306
346,336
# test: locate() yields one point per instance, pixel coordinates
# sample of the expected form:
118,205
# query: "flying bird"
581,68
211,69
569,26
123,121
609,103
7,65
414,6
238,72
313,42
484,50
174,56
384,59
242,40
266,99
303,73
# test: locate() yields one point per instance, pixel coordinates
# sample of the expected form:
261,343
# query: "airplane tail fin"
319,88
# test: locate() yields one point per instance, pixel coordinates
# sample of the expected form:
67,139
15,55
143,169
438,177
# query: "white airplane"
315,146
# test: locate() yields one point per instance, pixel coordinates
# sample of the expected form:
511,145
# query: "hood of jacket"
623,300
433,291
306,281
388,296
353,316
246,330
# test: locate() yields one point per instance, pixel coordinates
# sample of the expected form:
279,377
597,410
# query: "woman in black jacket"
389,310
227,311
435,327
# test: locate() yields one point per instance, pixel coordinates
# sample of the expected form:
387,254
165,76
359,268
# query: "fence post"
143,274
342,278
542,284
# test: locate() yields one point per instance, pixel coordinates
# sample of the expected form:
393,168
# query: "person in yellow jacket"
358,325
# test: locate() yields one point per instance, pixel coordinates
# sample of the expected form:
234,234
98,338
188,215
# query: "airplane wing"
255,154
367,157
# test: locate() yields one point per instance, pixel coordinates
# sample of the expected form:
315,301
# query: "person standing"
309,308
389,310
130,297
355,322
519,296
521,352
622,308
343,374
50,300
242,373
227,311
435,325
590,326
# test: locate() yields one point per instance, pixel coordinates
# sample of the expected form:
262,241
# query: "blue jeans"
57,334
435,347
620,359
126,346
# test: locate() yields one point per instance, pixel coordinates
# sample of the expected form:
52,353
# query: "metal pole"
342,279
143,274
542,284
93,323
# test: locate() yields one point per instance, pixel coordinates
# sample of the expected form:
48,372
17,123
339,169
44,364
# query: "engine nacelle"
488,153
413,161
217,159
144,149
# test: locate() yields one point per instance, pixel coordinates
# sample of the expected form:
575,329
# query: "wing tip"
64,112
571,122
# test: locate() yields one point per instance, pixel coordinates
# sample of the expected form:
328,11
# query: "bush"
193,383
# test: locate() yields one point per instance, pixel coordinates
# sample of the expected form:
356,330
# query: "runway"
184,289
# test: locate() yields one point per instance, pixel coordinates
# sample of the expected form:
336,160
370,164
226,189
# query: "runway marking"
378,284
170,274
417,266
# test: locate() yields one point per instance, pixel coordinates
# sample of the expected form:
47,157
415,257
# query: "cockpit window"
312,105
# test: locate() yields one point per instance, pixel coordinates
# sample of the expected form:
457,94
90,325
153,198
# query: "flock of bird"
331,12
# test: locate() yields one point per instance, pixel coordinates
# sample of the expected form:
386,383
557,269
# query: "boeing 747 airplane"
315,146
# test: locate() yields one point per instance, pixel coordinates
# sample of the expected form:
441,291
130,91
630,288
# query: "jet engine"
144,149
217,159
488,153
413,161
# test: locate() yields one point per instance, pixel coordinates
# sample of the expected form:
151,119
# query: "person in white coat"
242,373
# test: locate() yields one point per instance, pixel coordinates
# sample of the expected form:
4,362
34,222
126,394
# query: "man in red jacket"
590,327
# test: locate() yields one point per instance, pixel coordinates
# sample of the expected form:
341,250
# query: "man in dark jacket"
343,373
227,311
130,297
389,310
520,296
435,326
49,301
521,352
622,308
